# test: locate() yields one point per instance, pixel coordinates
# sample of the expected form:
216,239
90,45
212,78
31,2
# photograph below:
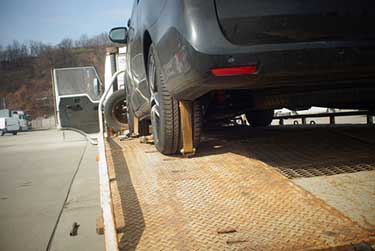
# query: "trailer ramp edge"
110,233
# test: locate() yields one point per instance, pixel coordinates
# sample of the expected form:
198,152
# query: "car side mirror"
119,35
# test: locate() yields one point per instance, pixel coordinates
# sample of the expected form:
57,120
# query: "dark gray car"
245,56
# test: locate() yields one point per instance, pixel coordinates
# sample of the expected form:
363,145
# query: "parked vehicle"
9,125
236,57
22,118
29,121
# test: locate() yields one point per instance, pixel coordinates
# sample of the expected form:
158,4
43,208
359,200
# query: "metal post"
135,127
112,52
281,122
3,103
332,120
370,119
303,121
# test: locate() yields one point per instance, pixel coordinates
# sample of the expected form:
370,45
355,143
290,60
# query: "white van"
21,116
9,125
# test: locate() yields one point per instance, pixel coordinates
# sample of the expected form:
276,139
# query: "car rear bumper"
192,43
188,70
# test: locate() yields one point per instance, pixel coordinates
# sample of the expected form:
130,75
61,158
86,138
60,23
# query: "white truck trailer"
25,123
9,125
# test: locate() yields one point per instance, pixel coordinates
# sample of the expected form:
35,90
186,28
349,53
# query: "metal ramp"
231,196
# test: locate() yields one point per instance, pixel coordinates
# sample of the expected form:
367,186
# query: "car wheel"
165,113
14,133
260,118
2,132
116,111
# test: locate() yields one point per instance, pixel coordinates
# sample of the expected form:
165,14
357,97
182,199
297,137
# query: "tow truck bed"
240,191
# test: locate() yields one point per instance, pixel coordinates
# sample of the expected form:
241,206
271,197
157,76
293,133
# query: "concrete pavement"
36,169
350,193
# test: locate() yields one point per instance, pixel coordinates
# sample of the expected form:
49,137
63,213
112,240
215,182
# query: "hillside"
25,81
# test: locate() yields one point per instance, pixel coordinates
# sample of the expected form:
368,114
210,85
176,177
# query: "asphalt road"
36,169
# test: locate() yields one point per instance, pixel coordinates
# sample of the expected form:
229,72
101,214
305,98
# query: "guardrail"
330,115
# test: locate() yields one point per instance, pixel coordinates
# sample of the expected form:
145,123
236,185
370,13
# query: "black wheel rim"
155,105
120,111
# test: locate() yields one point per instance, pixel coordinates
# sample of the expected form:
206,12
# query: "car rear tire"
116,111
260,118
14,133
165,113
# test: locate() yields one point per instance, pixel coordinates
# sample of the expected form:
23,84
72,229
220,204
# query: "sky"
50,21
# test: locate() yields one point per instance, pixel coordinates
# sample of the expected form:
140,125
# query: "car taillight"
231,71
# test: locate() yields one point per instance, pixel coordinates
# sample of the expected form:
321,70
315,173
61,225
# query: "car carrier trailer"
242,192
304,187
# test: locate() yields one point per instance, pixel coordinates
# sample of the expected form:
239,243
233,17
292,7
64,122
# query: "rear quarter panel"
147,14
150,11
184,28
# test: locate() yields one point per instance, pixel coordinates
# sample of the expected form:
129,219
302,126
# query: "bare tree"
36,48
1,54
66,43
82,42
15,52
65,55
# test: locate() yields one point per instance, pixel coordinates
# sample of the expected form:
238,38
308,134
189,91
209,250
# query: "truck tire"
165,113
116,111
260,118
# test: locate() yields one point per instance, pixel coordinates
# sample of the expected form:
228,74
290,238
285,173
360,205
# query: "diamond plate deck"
315,152
229,197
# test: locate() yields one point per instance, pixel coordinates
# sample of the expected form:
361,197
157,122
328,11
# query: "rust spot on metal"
155,151
227,231
329,233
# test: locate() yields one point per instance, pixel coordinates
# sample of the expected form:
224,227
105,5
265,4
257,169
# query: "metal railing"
331,115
